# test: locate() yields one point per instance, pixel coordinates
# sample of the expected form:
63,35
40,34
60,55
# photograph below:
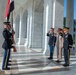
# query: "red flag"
9,8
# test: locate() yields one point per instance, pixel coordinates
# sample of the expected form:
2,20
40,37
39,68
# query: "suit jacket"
52,38
7,44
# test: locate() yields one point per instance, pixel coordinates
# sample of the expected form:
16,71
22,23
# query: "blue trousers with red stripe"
6,58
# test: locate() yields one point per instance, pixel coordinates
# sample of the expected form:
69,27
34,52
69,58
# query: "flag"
9,8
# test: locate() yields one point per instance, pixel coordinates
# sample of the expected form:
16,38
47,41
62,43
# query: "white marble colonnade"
41,15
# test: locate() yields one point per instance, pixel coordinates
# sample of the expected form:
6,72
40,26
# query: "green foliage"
64,21
74,29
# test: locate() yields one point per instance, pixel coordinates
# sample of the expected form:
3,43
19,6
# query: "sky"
74,9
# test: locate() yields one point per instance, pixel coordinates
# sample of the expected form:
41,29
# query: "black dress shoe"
50,58
6,68
10,61
58,61
65,65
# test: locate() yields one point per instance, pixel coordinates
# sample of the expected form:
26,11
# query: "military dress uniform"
68,42
7,44
52,41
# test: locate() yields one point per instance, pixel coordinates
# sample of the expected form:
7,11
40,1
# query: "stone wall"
2,19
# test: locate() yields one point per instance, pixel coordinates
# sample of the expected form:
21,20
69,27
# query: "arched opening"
24,21
38,24
17,23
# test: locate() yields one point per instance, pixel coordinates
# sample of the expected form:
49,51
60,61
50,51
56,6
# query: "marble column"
47,22
28,26
70,15
30,23
23,28
58,11
20,28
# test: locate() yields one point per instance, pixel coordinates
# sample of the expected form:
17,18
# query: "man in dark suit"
68,42
7,44
52,41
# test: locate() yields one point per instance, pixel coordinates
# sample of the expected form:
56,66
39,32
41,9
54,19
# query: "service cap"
6,23
66,28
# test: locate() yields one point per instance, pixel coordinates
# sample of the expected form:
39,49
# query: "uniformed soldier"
68,42
11,32
7,44
52,41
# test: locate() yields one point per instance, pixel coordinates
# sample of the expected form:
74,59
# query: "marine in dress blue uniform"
68,42
7,44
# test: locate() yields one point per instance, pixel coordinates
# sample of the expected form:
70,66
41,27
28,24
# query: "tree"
64,21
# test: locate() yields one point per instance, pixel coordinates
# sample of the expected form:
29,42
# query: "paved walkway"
29,62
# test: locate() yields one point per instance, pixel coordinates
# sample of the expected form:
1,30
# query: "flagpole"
12,19
14,48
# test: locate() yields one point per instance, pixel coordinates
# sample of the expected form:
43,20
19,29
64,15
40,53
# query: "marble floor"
33,62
